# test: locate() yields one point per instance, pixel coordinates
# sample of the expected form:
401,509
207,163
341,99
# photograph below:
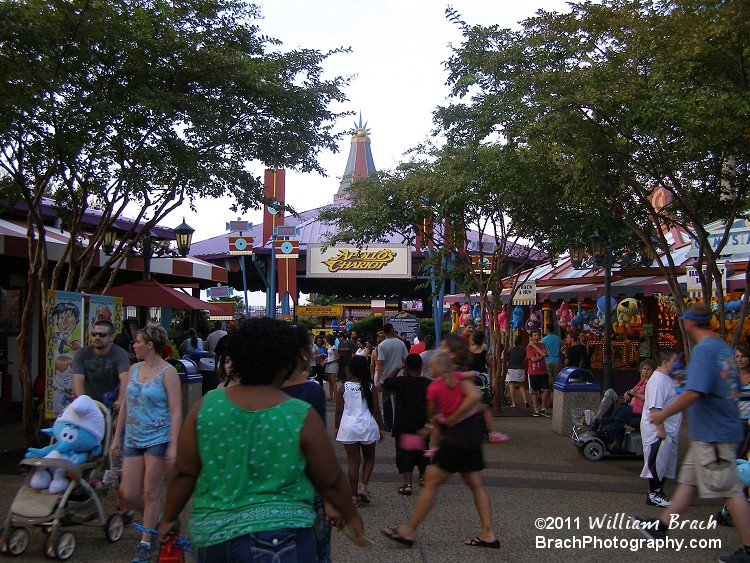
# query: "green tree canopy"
144,105
629,96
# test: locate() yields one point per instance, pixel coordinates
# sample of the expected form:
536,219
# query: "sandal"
392,534
363,494
479,542
404,490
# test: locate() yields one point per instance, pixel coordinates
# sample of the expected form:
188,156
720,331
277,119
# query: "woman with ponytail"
359,425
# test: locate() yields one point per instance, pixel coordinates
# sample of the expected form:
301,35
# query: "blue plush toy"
517,320
78,433
743,468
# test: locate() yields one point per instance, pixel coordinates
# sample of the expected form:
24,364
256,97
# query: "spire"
360,164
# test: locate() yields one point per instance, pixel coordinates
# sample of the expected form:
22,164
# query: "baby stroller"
591,439
724,517
79,503
486,389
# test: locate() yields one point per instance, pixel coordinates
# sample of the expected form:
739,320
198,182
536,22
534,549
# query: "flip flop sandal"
392,534
404,489
479,542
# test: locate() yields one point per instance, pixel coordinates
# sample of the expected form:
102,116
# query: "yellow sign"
384,261
319,310
348,260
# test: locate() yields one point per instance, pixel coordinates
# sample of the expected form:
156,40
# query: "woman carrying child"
460,446
359,425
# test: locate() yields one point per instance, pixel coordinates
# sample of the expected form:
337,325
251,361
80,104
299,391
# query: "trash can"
192,383
206,367
575,388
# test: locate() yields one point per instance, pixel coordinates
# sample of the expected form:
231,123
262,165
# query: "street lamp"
183,237
601,251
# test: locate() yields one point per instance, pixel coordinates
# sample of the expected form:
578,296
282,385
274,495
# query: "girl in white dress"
359,425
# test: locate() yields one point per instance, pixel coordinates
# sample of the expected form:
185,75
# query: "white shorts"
515,376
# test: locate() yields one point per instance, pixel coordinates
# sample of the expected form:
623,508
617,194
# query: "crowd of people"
268,415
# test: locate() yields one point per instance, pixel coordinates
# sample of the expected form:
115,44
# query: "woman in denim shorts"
150,420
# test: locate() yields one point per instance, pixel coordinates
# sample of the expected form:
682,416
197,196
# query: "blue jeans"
287,545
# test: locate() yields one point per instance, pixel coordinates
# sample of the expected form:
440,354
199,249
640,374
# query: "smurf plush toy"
78,433
743,468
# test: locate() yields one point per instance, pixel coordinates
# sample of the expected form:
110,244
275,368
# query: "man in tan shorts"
708,470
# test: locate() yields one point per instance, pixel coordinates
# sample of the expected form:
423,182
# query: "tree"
629,96
434,200
142,106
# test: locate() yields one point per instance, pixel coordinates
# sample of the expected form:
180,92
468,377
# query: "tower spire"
359,165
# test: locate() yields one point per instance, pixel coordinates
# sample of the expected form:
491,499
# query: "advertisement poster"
103,308
64,334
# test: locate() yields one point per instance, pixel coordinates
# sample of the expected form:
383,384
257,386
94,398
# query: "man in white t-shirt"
660,440
391,354
213,339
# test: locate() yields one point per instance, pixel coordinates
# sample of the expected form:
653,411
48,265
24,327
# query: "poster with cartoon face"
103,308
64,333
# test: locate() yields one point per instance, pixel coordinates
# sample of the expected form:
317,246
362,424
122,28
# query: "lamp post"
183,237
601,251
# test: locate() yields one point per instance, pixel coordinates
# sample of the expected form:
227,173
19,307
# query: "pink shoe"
432,452
498,437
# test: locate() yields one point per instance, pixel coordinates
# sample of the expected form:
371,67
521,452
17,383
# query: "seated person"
633,407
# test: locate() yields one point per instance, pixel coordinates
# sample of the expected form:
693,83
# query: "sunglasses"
100,334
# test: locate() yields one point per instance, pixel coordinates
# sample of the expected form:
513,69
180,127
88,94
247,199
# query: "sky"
398,50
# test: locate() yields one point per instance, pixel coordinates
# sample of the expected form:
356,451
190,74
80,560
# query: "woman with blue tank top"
150,419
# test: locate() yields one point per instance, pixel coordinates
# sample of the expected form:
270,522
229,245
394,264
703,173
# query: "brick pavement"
537,474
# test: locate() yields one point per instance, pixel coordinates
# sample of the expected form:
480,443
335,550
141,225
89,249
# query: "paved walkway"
537,475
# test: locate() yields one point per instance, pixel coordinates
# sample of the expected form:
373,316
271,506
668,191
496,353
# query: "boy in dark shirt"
410,415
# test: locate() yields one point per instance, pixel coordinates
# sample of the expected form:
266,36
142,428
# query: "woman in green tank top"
252,457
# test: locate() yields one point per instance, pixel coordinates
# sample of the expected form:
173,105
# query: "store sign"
382,261
220,291
693,281
318,310
525,294
738,239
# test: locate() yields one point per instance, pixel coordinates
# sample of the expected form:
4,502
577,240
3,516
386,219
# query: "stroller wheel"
114,527
18,541
65,546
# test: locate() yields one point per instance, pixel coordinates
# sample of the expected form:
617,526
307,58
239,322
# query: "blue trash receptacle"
192,383
575,388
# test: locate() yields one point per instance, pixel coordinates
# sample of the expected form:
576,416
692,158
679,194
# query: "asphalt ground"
542,489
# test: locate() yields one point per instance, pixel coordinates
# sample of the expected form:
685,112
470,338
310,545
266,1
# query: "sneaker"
648,528
498,438
142,554
536,413
657,498
545,413
432,452
739,556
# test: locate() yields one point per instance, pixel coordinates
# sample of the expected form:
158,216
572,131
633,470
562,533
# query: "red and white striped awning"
13,242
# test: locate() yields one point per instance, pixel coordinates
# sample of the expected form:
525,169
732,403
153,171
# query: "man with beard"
98,369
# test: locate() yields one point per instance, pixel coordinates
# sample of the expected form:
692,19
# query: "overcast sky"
398,50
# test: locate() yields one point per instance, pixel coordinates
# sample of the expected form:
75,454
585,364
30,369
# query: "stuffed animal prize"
78,432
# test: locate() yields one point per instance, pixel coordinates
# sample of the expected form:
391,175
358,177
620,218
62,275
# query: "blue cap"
694,317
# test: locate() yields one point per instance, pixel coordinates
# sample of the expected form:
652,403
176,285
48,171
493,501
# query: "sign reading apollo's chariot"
381,261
